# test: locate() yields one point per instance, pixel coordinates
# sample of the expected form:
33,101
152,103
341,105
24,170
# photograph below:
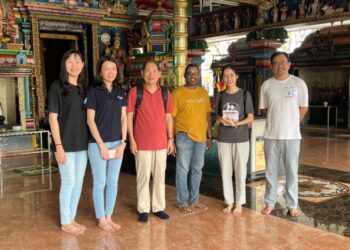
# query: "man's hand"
209,144
133,147
170,147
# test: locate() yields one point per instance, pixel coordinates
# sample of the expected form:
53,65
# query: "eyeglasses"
275,64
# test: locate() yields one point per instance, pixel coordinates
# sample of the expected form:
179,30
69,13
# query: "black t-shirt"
108,111
71,117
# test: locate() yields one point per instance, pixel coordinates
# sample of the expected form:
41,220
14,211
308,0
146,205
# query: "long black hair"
64,78
228,66
98,82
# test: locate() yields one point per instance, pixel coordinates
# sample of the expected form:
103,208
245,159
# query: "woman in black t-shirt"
67,118
106,118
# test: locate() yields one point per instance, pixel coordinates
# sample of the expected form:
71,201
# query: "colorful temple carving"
35,33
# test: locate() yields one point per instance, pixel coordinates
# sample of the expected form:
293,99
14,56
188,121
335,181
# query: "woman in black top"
67,118
106,118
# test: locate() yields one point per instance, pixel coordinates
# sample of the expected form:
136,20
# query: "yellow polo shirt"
190,109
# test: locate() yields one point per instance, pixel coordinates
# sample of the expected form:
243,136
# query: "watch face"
105,38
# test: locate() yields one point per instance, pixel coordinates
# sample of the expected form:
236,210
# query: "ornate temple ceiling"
197,5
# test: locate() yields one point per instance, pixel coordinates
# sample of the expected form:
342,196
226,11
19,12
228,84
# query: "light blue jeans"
189,164
285,152
72,177
105,174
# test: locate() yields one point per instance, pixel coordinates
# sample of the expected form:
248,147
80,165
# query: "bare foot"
71,229
227,209
105,226
79,225
199,206
267,210
294,212
238,209
185,210
114,225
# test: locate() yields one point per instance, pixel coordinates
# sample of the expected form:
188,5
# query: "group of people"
93,123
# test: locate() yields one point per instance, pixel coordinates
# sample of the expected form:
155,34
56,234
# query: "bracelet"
171,138
124,141
58,145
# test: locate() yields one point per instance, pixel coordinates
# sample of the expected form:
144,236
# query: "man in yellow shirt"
191,112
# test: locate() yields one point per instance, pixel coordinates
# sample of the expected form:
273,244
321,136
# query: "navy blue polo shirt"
108,111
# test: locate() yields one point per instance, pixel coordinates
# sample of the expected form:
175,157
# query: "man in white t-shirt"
284,101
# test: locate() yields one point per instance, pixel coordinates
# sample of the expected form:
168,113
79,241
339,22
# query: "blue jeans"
72,177
104,173
189,164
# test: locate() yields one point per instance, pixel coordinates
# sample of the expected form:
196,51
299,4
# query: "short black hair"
150,61
277,53
98,82
191,65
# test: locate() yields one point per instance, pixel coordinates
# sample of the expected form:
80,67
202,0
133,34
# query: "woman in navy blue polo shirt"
67,118
106,118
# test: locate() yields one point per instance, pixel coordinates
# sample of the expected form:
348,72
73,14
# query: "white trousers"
147,163
233,157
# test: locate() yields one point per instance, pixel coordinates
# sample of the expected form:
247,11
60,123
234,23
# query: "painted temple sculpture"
34,33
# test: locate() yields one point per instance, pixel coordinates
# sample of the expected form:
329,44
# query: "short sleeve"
55,99
175,103
169,105
125,99
90,99
208,101
131,100
262,101
249,104
303,94
217,104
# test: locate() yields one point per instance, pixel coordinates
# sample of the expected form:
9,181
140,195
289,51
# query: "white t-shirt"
282,100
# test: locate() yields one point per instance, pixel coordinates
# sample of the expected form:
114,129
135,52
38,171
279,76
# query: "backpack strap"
164,96
244,101
139,95
219,103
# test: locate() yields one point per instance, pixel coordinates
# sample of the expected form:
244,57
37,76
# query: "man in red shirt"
151,139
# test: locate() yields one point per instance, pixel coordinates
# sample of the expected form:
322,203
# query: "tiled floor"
29,216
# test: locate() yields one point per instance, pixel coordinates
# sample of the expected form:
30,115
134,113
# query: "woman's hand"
229,122
103,151
60,155
120,150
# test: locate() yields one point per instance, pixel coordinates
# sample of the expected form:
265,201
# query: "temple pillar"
180,40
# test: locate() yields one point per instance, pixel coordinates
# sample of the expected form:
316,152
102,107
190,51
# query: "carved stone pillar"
38,101
180,40
95,49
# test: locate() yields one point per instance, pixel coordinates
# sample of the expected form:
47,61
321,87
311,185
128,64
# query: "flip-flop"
199,206
185,210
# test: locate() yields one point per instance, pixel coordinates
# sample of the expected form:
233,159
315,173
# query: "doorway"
53,47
